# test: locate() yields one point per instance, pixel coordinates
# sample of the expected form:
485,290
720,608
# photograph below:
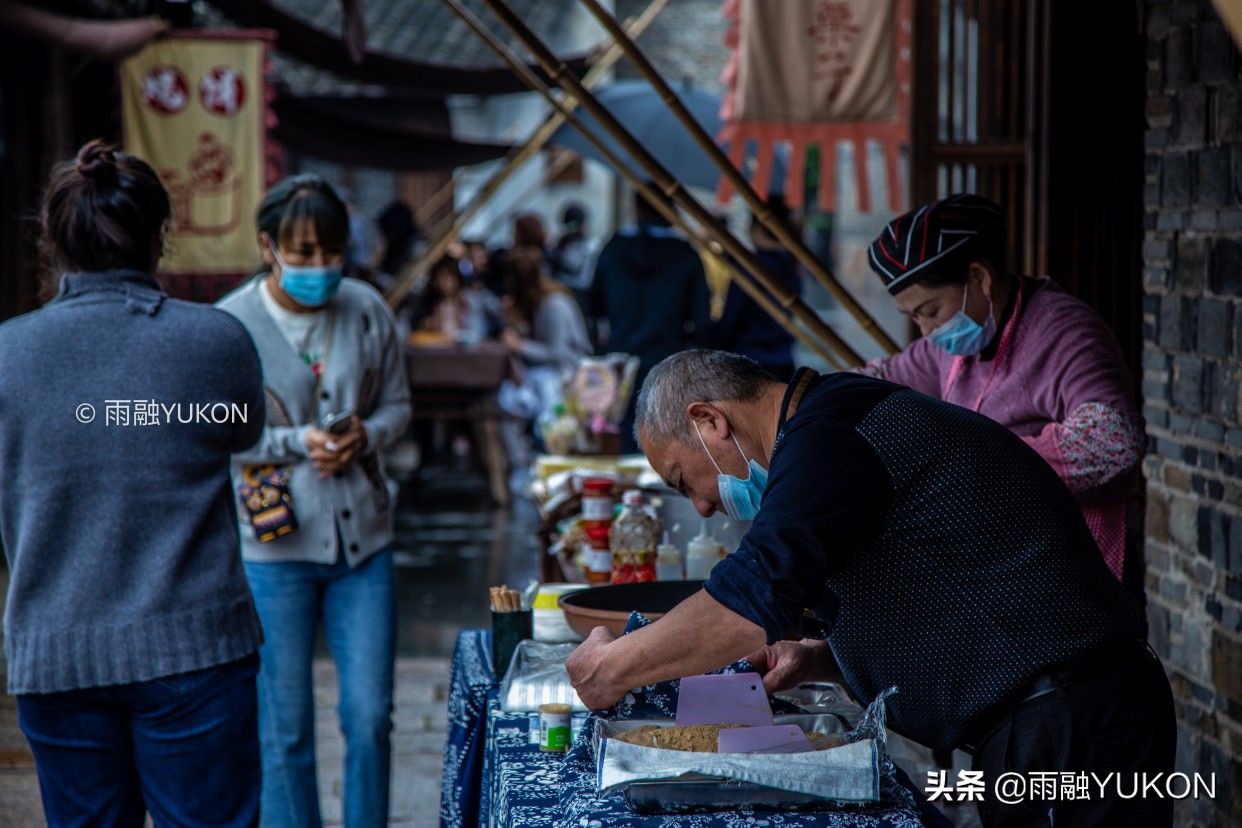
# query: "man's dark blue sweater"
943,554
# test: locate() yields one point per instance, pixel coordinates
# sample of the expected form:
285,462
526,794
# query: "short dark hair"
645,211
300,198
103,210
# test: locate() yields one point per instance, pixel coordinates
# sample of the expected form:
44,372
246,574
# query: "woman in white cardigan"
315,504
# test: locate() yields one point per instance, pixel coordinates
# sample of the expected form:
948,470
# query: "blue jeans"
357,610
184,747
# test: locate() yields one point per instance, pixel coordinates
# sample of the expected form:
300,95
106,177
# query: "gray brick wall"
686,42
1192,367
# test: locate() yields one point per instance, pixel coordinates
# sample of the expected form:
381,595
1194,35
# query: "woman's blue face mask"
962,336
311,286
740,498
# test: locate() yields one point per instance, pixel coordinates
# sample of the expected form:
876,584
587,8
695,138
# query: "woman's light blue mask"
962,336
311,286
740,498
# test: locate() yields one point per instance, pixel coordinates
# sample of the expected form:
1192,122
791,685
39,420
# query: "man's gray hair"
697,375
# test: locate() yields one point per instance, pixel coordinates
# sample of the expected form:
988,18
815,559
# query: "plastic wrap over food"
537,676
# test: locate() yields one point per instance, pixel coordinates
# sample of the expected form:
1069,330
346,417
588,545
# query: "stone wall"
1192,353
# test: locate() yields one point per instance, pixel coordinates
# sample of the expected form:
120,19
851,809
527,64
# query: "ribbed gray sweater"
121,540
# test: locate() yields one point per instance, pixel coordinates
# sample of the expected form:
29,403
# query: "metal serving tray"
704,794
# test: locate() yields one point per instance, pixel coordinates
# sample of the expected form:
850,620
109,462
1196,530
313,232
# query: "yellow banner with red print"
194,106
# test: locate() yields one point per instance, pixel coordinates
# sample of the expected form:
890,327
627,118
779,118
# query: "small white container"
669,563
702,553
549,619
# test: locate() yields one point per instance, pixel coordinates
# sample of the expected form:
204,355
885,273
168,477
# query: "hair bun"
97,161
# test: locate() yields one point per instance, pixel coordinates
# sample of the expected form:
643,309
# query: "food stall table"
495,775
450,381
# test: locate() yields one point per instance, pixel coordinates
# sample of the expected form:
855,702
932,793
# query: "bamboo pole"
558,166
757,205
429,207
667,184
747,283
411,273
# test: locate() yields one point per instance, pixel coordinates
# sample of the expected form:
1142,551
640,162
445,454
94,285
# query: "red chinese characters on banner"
833,31
820,73
222,90
195,106
165,90
207,201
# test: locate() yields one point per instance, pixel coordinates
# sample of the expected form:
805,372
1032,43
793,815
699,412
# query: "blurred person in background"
648,297
129,630
319,554
572,259
453,311
400,237
530,231
546,332
744,327
366,244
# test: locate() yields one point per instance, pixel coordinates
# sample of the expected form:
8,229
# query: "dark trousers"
1116,717
184,747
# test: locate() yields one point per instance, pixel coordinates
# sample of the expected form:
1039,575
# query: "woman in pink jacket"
1023,352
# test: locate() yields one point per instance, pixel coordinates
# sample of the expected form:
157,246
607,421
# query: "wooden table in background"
460,382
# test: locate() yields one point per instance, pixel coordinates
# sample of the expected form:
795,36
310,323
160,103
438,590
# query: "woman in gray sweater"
316,522
130,633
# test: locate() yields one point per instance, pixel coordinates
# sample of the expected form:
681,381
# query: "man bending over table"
943,555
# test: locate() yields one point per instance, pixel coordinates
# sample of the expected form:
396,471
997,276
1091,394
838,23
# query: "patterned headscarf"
942,234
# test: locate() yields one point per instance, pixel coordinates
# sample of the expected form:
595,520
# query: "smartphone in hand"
338,424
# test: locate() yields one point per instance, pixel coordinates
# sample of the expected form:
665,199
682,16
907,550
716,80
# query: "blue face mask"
311,286
740,498
962,336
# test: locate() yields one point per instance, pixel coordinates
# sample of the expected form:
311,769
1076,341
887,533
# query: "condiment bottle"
669,565
634,537
702,553
598,569
597,500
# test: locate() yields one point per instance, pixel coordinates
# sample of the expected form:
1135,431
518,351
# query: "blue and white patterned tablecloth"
495,775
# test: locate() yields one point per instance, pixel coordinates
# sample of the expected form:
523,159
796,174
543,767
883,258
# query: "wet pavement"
451,544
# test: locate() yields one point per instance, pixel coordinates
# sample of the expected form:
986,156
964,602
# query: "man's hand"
786,664
588,674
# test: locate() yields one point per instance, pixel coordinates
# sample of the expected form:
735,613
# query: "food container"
597,499
537,677
704,794
554,727
550,624
610,606
597,556
508,630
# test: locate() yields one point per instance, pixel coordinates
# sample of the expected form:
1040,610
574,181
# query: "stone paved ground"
450,546
421,695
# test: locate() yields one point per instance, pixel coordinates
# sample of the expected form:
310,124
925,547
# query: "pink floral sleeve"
1095,445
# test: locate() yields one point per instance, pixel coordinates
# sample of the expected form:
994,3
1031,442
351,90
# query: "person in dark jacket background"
744,327
649,297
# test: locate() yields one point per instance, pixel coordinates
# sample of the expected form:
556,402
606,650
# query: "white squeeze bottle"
702,553
668,562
